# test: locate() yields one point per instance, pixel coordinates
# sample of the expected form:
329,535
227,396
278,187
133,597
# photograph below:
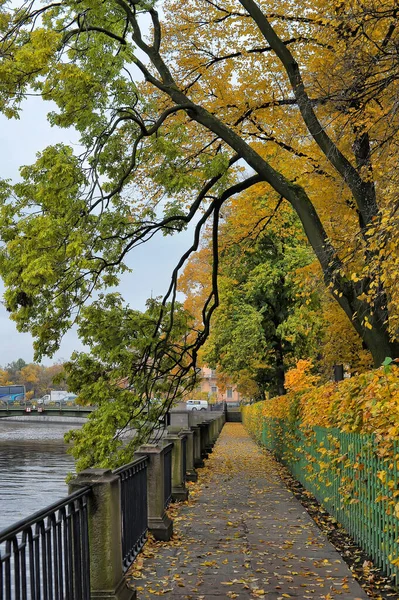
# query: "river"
33,467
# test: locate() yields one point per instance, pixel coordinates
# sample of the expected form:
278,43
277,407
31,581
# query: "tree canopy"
182,109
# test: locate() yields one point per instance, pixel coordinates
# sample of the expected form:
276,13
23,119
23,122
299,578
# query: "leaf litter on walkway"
242,534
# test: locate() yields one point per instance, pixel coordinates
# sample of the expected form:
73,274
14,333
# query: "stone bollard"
204,439
179,419
220,422
159,524
179,490
217,428
191,474
107,580
209,440
214,431
198,462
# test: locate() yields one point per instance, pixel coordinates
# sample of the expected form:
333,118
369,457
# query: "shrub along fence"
353,476
80,547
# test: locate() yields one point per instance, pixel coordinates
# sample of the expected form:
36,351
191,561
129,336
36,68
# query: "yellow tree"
4,378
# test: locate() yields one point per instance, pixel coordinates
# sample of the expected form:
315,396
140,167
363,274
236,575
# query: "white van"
197,405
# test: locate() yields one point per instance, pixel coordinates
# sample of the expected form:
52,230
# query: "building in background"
216,389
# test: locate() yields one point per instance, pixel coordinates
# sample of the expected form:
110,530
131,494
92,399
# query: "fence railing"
81,547
167,476
46,556
351,477
133,478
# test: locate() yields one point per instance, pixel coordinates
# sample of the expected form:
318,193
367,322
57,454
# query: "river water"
33,467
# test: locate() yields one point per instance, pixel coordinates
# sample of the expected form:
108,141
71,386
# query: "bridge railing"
28,408
81,547
46,556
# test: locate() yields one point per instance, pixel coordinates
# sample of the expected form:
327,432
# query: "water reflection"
33,467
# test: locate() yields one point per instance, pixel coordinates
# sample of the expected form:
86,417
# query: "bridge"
56,410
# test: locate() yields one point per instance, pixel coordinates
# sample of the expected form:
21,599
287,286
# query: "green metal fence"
353,476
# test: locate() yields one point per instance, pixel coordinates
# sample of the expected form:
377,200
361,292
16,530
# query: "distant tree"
37,379
5,377
29,376
51,378
14,368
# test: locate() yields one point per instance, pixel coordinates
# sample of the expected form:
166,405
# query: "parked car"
197,405
56,397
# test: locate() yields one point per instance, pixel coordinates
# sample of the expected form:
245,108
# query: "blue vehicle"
12,393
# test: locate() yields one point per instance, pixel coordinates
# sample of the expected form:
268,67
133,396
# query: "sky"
152,263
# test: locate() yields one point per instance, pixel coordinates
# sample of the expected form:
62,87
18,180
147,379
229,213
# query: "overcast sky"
152,263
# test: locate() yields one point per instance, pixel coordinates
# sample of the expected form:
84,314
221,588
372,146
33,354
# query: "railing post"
217,428
179,490
159,524
208,436
204,439
222,420
214,432
179,419
107,581
191,474
198,462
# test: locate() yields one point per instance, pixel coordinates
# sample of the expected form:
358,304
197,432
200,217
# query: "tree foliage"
264,323
115,375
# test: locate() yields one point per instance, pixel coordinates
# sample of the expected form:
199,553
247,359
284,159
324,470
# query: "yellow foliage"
4,378
300,379
366,403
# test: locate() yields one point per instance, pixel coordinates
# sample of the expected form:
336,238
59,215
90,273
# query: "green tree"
14,368
126,364
263,326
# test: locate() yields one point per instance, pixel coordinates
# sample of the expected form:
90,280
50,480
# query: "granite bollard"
209,441
107,580
179,490
203,436
159,524
191,474
198,461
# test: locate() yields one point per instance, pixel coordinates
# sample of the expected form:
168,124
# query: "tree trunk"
375,337
378,342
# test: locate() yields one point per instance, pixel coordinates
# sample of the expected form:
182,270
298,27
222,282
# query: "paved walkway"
243,535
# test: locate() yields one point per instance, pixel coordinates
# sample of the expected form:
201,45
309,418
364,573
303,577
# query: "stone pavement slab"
243,535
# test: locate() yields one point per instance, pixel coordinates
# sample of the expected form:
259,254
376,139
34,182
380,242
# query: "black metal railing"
218,406
167,475
184,455
133,478
46,556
